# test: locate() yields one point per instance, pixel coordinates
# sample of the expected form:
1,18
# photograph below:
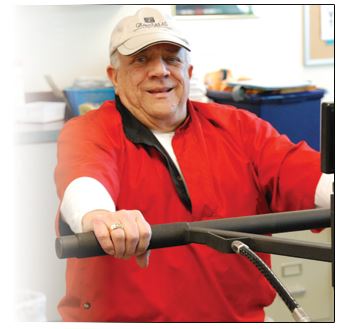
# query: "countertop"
30,133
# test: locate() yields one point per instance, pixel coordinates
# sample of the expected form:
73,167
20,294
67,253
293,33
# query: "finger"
132,235
118,238
144,235
143,259
102,234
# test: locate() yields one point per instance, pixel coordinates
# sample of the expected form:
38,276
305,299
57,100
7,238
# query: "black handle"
175,234
86,245
327,141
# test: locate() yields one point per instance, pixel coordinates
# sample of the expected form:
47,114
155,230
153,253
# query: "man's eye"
173,59
140,59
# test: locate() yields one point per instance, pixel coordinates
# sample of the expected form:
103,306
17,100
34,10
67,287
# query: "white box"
41,112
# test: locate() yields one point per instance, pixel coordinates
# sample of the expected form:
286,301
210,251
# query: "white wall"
36,266
269,45
72,41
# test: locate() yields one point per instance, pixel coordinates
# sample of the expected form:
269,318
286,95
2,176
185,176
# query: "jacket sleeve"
288,173
85,150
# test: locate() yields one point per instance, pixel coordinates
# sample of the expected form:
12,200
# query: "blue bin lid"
286,98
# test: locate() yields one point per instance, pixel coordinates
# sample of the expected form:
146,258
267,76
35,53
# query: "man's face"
154,85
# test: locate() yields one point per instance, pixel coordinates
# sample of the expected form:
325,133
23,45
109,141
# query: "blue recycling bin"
95,96
295,114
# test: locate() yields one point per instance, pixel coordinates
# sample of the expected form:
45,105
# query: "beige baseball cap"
146,28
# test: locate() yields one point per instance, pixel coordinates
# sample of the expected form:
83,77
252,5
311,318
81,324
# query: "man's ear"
112,75
190,69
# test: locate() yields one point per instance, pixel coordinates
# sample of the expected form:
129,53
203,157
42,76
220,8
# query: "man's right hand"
122,234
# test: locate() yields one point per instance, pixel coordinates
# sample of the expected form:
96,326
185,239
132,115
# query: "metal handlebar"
176,234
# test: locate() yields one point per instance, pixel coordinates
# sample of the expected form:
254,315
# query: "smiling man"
154,85
153,156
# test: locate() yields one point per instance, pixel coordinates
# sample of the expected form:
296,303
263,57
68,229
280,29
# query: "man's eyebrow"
142,52
172,49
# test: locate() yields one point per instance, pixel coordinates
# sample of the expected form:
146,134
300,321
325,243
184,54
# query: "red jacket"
234,164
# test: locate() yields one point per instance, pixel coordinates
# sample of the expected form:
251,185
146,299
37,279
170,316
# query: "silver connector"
300,316
237,245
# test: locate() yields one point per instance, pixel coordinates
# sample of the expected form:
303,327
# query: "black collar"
138,133
133,128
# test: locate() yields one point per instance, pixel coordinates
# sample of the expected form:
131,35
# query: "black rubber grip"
327,141
86,244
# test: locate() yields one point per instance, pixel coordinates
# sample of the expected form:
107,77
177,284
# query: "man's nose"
158,68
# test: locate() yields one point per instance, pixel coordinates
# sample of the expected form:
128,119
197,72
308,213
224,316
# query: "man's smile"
161,92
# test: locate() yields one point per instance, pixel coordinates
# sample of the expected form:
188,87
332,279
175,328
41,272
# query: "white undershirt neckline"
166,141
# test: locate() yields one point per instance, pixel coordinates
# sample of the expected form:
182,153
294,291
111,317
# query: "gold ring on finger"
115,226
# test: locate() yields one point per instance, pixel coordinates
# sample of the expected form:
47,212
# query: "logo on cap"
149,19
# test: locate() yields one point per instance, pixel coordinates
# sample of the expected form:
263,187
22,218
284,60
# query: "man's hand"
129,235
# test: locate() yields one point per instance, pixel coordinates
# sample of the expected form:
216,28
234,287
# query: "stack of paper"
270,86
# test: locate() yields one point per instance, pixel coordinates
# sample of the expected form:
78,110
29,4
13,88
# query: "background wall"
68,42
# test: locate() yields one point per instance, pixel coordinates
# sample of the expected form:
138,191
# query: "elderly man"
153,156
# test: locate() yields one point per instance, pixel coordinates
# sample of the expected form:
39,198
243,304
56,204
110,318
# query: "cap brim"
140,42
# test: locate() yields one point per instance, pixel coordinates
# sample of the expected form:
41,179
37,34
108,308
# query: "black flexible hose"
297,312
